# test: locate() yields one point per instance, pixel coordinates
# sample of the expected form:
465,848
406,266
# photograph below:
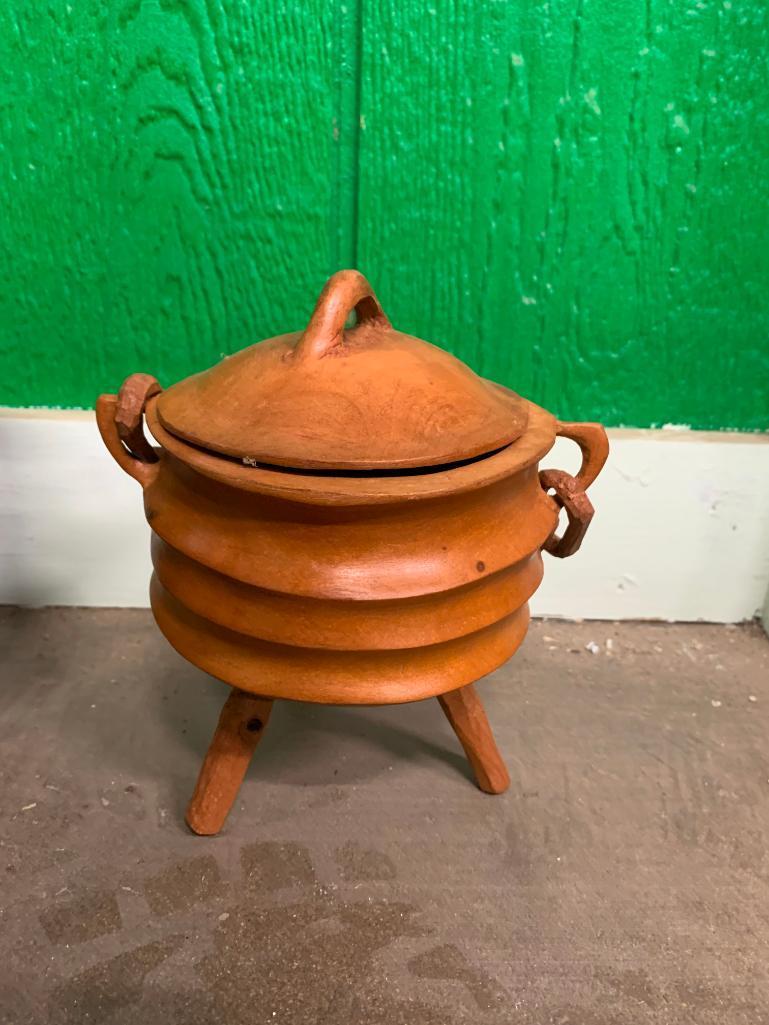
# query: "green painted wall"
569,195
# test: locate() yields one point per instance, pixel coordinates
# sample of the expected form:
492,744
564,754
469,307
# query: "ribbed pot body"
349,601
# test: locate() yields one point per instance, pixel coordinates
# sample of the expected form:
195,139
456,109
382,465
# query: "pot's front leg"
465,712
238,731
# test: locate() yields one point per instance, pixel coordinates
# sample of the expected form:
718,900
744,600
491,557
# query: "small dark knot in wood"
239,730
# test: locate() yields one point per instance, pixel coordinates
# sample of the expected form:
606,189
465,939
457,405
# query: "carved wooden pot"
347,516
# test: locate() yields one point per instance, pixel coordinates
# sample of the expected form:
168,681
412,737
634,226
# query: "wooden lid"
336,398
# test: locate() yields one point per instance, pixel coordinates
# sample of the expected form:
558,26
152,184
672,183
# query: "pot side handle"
593,444
345,291
120,420
570,491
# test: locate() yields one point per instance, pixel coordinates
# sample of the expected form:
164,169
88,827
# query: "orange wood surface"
465,712
335,677
240,728
342,587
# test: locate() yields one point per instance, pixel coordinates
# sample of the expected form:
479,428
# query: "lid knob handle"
344,291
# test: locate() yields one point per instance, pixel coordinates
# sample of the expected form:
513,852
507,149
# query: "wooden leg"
238,731
465,712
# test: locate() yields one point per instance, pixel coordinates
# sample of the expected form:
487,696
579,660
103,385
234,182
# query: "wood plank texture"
567,194
167,170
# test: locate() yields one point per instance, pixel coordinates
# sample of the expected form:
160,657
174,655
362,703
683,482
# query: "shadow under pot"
346,515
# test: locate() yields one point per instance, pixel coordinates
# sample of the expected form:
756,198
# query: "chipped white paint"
681,531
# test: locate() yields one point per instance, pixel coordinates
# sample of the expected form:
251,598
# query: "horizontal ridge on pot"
291,619
335,677
390,551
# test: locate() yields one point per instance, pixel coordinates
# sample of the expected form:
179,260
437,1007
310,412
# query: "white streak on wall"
681,528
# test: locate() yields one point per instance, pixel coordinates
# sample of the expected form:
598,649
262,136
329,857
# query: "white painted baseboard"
681,529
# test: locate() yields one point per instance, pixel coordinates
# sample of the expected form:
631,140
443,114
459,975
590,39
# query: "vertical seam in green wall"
347,131
358,129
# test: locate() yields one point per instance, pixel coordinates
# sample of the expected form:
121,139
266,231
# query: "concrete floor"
622,880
